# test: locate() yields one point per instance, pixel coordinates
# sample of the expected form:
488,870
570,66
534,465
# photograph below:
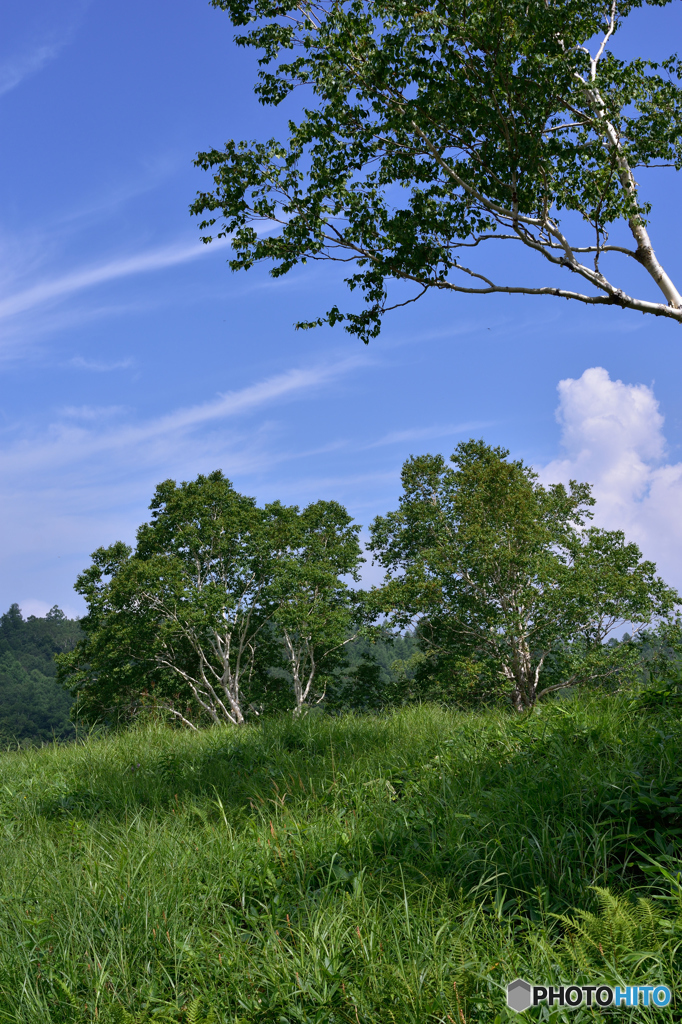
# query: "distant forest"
33,707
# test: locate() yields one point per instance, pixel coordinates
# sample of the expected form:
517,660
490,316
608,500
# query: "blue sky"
130,353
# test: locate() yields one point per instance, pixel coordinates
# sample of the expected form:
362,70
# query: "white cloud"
32,606
613,437
98,367
92,412
22,65
78,280
45,33
427,433
86,479
157,440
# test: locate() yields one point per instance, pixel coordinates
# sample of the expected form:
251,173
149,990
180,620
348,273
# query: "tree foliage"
501,573
316,615
33,708
433,133
218,596
495,585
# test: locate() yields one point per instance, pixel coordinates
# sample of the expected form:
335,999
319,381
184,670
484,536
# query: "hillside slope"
343,869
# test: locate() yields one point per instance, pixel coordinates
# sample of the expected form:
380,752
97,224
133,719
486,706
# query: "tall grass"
353,869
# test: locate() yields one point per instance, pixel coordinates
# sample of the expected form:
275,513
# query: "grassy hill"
362,869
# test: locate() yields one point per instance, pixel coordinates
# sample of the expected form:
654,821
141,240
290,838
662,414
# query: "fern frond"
619,928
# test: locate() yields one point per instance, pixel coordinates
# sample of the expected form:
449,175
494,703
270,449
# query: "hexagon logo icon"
518,995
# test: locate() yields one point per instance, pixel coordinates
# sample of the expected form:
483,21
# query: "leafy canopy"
432,132
317,614
217,594
499,569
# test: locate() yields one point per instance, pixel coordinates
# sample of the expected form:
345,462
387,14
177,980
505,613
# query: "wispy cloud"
88,277
28,59
86,479
427,433
67,443
20,66
98,367
91,413
316,483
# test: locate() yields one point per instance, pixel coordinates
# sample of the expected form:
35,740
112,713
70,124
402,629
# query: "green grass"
397,869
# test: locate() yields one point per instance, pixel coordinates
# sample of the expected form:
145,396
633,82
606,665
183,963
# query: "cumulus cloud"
612,435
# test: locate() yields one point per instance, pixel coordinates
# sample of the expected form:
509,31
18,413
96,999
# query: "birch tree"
217,594
317,613
496,567
187,617
437,142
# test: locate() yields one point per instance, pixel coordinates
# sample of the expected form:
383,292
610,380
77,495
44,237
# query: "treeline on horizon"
496,590
34,708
